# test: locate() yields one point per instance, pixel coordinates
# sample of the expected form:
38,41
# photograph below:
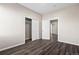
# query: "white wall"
12,25
68,24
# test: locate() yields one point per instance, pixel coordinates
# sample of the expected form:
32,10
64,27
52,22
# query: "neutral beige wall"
68,24
12,25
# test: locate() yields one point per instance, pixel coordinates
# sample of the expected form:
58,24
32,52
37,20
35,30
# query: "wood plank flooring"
43,47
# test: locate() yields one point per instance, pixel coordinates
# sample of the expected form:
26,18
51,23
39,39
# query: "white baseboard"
45,39
12,46
69,42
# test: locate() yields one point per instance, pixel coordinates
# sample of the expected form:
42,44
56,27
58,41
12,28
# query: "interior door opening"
54,30
28,30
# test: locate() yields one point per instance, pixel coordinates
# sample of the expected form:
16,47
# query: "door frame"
50,25
31,27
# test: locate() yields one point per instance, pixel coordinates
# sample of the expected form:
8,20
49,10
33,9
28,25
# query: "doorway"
54,30
28,31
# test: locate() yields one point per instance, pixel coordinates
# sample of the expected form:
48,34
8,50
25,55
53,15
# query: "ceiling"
43,8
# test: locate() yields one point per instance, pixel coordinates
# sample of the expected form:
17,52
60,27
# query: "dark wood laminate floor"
43,47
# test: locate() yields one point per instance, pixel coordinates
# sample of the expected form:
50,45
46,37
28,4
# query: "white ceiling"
43,8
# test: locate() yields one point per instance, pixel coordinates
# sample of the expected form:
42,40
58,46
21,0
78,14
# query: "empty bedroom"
39,28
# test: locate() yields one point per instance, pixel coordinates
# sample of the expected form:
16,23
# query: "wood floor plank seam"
43,47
